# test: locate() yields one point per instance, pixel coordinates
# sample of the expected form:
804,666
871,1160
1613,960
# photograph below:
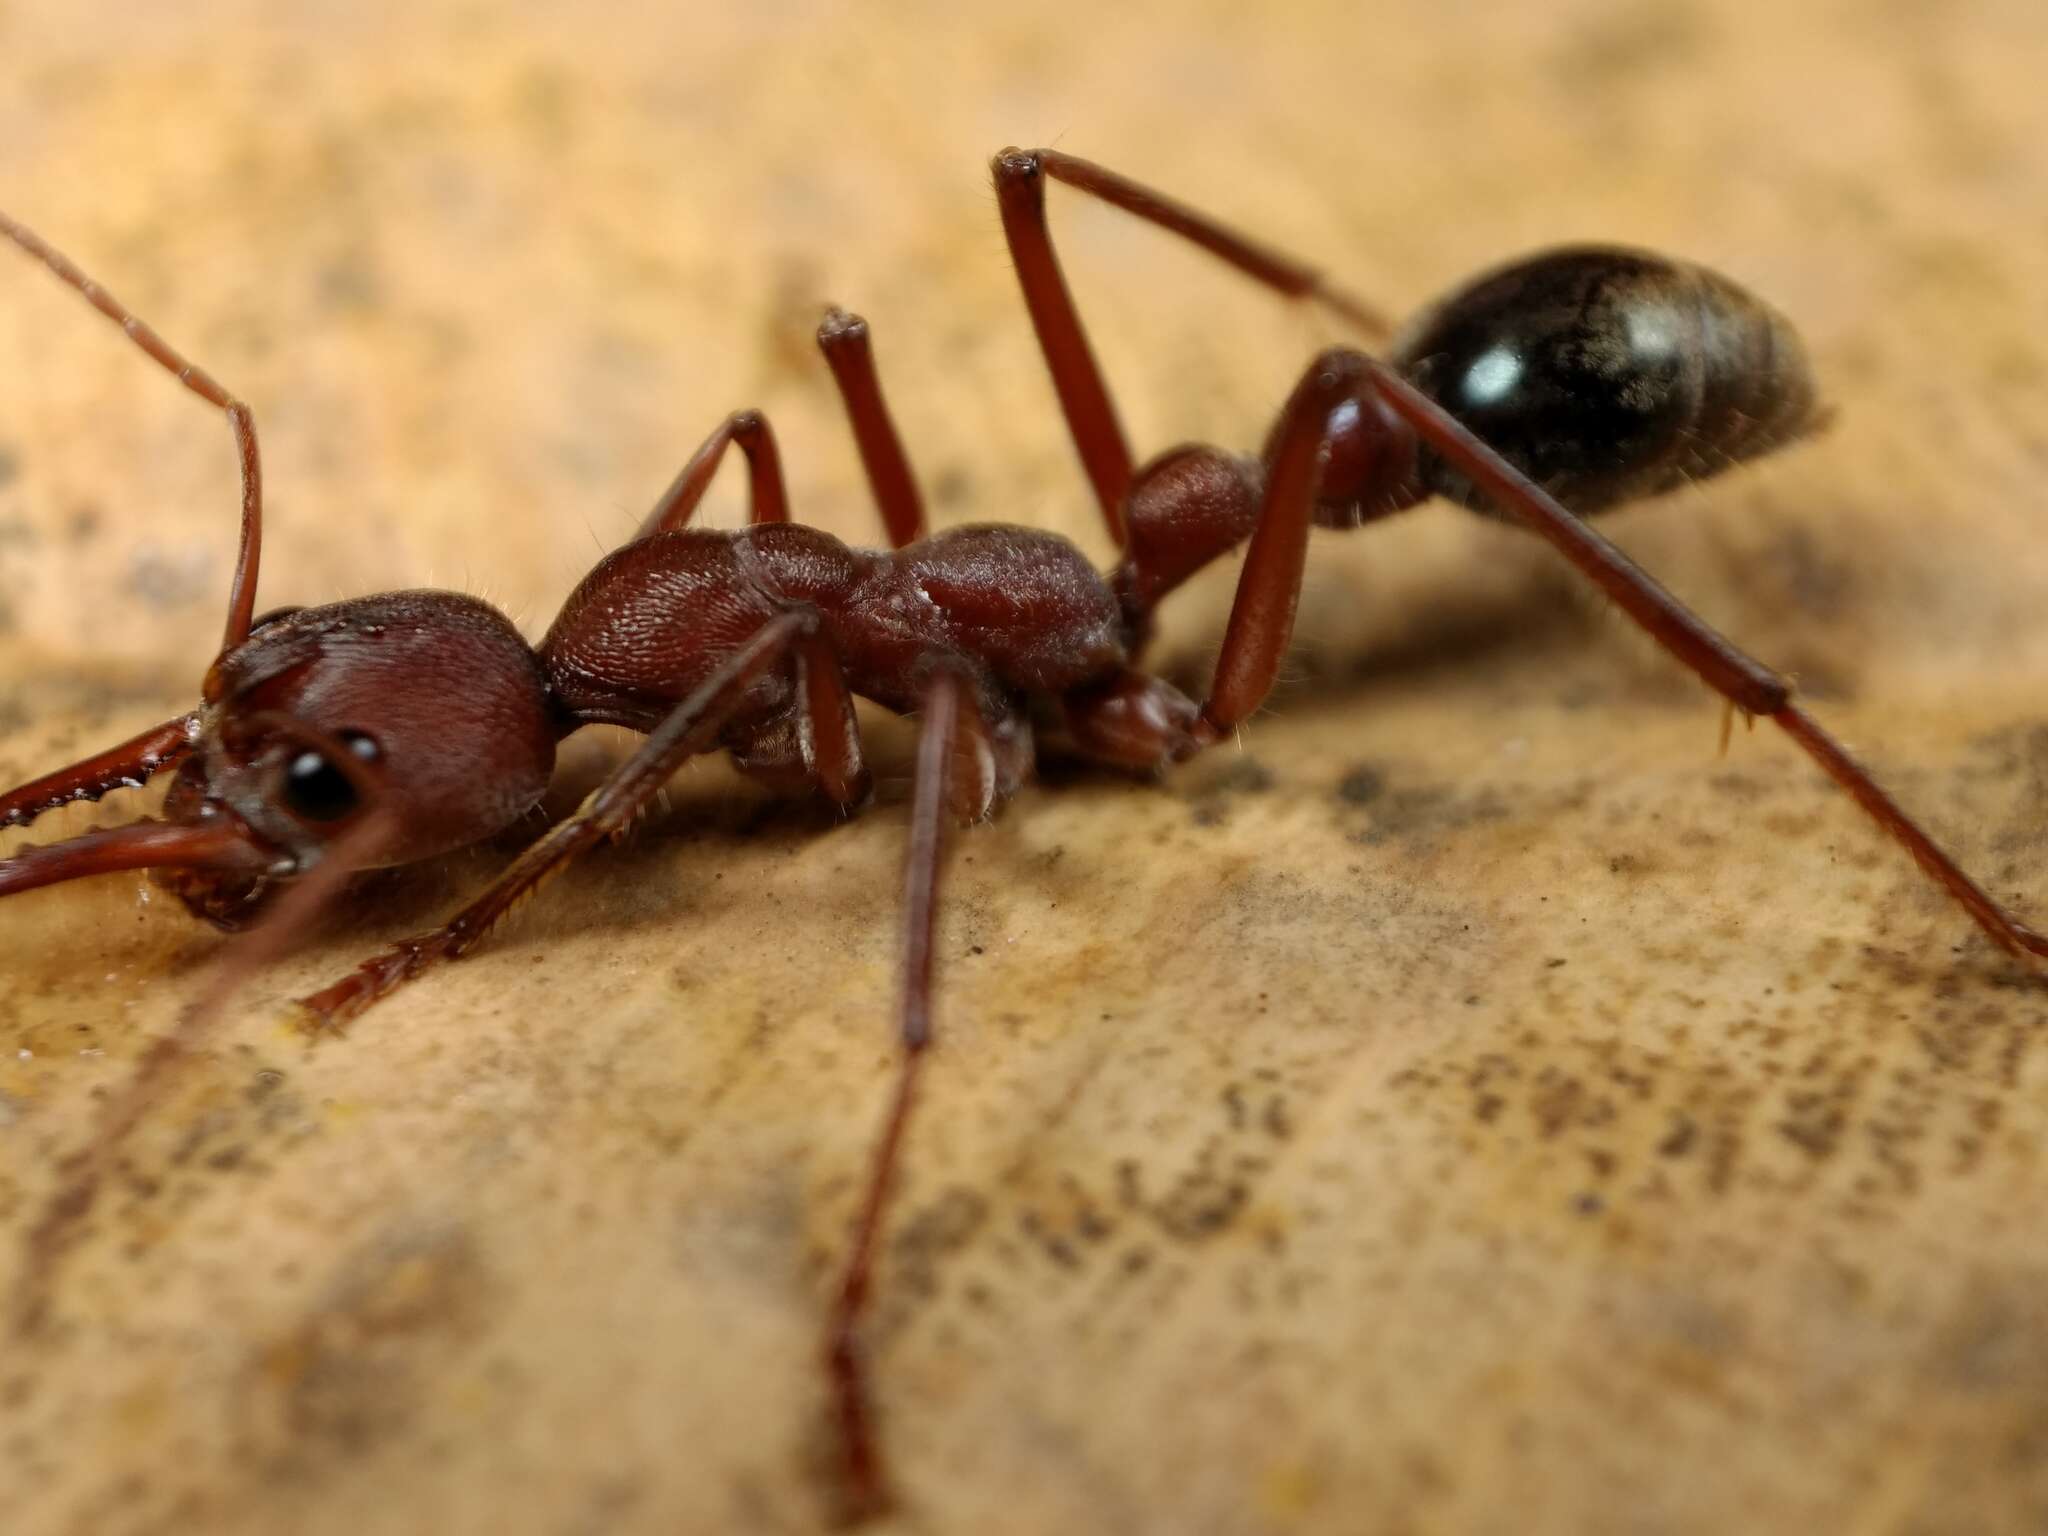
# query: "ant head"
428,705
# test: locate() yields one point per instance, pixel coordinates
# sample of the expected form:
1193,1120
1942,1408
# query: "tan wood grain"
1472,1106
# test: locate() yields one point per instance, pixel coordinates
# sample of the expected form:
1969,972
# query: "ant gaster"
1575,379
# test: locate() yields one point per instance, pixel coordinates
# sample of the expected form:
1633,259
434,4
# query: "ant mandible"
386,729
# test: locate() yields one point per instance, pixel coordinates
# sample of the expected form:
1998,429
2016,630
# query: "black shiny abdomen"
1608,374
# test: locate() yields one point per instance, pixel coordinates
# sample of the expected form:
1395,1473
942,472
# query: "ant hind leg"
1261,263
1020,177
1736,676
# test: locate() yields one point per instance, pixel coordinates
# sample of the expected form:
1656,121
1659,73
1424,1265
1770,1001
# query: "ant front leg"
769,501
843,338
691,727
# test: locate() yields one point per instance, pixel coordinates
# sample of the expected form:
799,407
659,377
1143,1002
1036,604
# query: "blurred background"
1690,1196
502,267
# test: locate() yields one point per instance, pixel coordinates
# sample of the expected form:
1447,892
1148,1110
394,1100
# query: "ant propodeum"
387,729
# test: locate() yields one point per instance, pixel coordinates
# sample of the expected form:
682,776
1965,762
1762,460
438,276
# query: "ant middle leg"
843,338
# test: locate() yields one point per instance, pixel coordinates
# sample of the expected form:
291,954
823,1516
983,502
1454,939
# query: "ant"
387,729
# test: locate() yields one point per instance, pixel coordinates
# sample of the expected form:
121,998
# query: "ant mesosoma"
410,723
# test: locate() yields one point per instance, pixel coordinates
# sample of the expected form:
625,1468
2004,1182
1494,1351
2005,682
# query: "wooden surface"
1471,1107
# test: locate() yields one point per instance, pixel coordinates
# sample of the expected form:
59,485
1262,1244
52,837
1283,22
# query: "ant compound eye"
316,790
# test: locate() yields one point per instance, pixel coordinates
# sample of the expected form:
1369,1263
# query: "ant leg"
1275,269
1262,616
127,766
242,591
770,504
843,338
946,718
814,747
1269,585
1193,504
1076,376
691,727
1746,683
832,732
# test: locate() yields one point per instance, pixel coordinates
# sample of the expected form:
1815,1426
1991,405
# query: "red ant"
402,725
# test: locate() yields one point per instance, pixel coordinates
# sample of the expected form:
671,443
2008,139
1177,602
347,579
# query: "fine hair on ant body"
387,729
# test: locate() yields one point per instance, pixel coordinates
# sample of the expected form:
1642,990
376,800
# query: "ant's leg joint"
1014,165
840,325
1770,698
1340,368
